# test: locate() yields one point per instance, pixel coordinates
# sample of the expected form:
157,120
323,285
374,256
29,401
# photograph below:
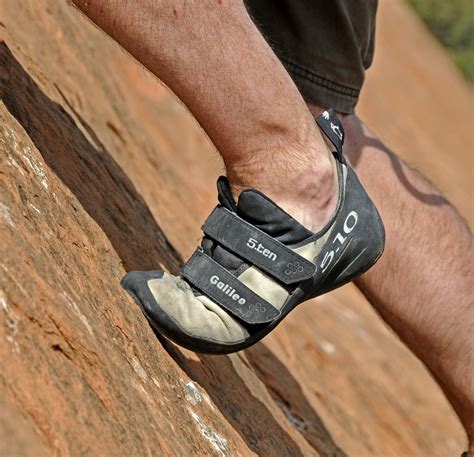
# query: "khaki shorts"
326,45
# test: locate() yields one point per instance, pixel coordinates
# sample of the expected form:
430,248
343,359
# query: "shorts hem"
321,90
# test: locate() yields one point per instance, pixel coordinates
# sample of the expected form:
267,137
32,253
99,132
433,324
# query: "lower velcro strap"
226,290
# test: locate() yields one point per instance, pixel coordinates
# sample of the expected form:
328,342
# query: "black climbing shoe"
256,264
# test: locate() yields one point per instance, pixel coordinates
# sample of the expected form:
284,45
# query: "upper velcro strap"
255,246
226,290
330,124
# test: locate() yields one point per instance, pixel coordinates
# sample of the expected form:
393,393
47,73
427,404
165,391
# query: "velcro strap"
226,290
330,124
255,246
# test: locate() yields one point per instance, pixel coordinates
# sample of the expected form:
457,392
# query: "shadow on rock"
248,415
89,171
289,396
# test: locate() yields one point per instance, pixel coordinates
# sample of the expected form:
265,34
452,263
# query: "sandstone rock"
103,171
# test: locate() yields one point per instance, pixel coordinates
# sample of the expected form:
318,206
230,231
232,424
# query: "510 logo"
349,225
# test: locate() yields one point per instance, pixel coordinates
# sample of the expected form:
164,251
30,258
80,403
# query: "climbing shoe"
256,263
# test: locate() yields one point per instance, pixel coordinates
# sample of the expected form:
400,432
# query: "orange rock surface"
102,170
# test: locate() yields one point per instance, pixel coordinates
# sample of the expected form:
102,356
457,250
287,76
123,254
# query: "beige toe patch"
197,316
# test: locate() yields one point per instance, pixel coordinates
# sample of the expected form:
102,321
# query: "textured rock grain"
103,171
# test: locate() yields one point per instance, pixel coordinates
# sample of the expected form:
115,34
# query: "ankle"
283,169
304,184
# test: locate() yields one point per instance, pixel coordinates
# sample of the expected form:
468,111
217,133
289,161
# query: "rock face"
103,171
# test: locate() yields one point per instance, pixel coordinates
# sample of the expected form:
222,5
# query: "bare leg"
423,284
215,60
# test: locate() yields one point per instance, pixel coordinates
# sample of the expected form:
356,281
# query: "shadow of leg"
354,131
92,175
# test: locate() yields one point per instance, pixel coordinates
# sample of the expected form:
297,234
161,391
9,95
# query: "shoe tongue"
257,209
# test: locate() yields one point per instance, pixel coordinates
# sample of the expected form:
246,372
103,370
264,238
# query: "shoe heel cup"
361,264
365,261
